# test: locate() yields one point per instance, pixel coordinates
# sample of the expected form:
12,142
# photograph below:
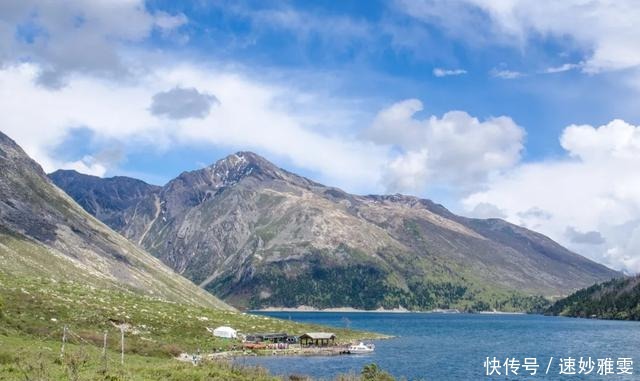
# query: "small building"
273,338
318,339
225,332
253,338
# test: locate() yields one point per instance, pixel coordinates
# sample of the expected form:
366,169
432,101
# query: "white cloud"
252,115
617,140
77,35
592,193
486,210
87,164
505,74
440,72
408,171
399,153
455,150
562,68
589,200
167,22
337,32
605,31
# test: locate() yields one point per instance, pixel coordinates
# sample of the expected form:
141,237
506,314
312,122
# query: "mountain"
258,236
108,198
616,299
45,233
121,311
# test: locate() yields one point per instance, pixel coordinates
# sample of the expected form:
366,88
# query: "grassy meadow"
34,312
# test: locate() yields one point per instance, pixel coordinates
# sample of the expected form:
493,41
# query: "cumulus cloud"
182,103
440,72
589,199
594,188
399,152
76,36
252,115
617,140
51,79
453,150
174,107
407,172
486,210
588,238
87,164
605,31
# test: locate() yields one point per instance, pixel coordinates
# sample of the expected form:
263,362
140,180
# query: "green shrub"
372,372
7,358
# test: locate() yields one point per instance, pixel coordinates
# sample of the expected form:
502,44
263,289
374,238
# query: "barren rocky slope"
45,233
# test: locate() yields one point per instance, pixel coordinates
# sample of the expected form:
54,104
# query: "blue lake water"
455,346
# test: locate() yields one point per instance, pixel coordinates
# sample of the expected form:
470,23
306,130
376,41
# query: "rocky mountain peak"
229,171
235,167
13,158
195,187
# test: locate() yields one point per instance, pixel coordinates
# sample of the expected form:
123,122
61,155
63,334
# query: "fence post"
104,351
121,344
64,341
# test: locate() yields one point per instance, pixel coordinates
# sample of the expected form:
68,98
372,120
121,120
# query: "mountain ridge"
45,233
259,235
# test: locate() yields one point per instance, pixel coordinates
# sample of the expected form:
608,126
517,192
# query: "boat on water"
361,348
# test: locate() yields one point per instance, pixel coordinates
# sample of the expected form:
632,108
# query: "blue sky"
365,62
519,109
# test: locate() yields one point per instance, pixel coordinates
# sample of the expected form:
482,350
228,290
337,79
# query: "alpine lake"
449,346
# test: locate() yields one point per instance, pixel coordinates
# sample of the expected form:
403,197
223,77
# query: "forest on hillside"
617,299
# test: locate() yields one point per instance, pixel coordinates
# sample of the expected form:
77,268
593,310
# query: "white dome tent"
225,332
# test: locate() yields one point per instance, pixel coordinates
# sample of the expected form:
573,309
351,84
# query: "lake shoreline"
380,310
338,350
424,342
333,309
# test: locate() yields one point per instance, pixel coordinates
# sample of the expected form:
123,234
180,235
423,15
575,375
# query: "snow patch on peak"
236,159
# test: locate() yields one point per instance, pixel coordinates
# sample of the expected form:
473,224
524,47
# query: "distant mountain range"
257,236
616,299
46,234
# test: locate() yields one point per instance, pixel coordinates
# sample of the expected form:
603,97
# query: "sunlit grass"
42,307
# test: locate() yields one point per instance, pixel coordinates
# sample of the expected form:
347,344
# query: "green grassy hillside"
63,271
40,360
44,232
33,312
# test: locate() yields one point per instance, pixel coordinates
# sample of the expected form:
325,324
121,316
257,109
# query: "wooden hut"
318,339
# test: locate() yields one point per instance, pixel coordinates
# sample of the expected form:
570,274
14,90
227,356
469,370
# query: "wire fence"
73,360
